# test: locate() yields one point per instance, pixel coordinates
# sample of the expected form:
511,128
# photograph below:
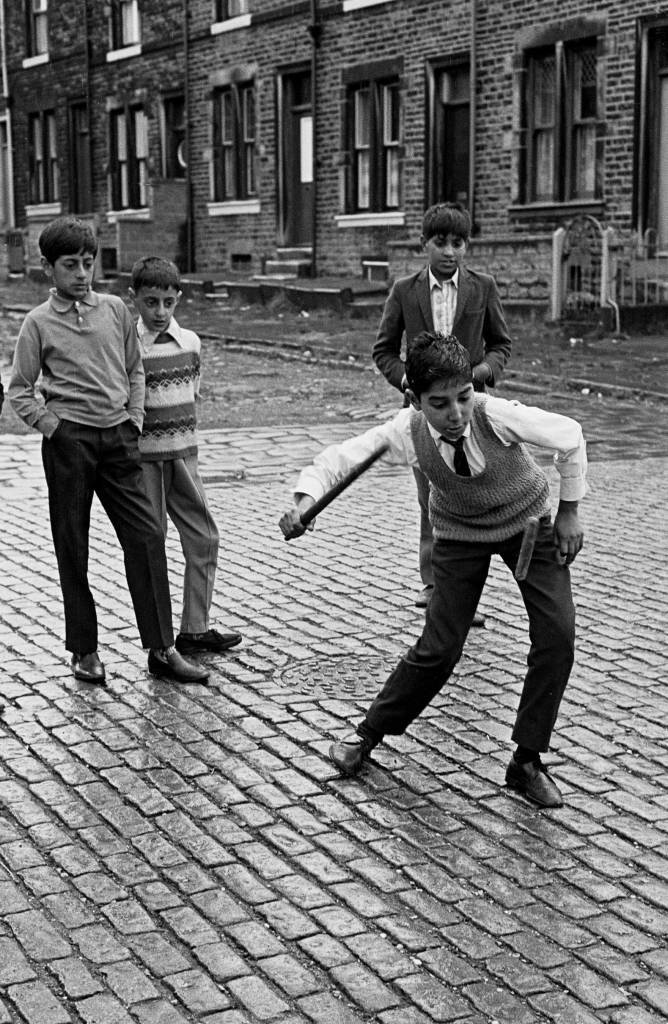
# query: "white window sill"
356,5
33,62
124,54
41,210
230,24
143,213
389,218
233,207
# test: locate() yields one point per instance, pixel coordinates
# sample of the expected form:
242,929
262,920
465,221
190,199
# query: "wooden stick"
526,550
345,481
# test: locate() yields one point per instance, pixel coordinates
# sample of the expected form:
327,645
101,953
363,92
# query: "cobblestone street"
172,855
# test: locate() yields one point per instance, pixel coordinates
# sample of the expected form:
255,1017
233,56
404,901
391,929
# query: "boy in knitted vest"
484,485
168,446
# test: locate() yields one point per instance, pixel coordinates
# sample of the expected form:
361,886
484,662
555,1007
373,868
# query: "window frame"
234,142
37,28
373,181
558,167
227,10
121,14
43,165
174,153
128,162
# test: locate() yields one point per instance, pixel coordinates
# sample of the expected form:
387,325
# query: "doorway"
296,159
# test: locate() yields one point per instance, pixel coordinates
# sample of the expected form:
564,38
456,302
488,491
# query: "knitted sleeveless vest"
170,423
492,506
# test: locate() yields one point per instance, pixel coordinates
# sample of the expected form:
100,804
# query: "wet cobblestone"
178,855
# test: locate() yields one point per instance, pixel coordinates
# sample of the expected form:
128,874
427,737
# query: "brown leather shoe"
350,754
88,668
533,782
171,665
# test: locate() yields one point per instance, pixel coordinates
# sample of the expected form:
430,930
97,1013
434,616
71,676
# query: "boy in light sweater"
77,378
484,486
168,446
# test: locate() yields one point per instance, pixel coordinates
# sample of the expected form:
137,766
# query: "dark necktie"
161,339
462,467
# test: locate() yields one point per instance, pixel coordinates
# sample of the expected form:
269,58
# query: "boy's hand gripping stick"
345,481
526,549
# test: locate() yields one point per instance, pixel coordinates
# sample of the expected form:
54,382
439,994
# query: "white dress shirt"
443,302
511,422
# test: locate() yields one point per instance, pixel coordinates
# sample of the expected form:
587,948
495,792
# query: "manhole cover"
345,675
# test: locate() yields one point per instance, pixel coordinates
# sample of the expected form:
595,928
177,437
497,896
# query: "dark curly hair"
433,356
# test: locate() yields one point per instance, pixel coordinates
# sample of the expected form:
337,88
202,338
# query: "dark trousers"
426,535
80,461
460,571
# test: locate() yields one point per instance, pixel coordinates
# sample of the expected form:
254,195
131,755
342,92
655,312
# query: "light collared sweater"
172,369
495,504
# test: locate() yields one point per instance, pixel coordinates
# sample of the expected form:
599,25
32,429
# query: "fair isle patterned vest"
492,506
172,384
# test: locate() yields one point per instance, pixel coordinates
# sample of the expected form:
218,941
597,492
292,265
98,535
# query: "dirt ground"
267,366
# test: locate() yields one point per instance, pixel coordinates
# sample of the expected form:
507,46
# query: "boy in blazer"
447,297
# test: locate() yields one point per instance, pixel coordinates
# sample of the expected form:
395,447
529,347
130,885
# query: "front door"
296,202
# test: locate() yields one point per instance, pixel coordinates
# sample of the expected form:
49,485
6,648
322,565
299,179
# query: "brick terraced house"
247,137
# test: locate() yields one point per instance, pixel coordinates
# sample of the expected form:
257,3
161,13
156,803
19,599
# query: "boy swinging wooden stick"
484,486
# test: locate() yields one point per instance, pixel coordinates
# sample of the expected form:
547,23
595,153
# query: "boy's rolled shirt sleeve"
331,464
26,368
513,421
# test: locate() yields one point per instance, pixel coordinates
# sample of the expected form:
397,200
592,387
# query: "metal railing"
595,267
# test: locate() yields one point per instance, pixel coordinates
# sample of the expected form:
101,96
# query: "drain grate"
345,675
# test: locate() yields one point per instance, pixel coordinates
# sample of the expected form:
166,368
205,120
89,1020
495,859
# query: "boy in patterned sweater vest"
484,486
168,446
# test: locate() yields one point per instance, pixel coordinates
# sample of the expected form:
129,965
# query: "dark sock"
371,736
523,755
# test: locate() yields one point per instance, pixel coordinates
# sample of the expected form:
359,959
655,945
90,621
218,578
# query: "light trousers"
175,489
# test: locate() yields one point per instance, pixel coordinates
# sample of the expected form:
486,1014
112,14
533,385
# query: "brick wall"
414,32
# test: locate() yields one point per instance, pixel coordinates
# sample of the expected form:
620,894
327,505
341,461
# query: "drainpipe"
8,120
472,114
190,227
315,31
89,99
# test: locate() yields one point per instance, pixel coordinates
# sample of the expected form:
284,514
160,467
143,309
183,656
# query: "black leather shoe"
350,754
212,640
88,668
533,782
172,666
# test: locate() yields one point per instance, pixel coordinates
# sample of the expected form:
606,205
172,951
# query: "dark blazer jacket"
479,322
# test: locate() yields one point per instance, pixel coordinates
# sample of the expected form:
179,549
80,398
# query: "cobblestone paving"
172,855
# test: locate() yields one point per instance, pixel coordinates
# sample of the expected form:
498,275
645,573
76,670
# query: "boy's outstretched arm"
290,522
568,532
